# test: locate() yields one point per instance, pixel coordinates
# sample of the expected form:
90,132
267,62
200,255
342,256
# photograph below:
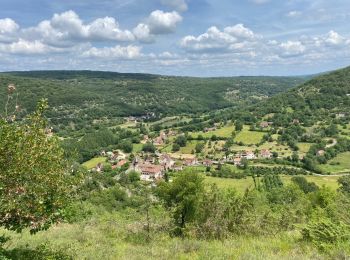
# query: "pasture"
242,184
93,162
339,164
249,137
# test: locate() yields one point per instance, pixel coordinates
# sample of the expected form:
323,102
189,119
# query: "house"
178,166
121,163
249,155
295,122
166,161
163,135
207,163
264,124
237,161
145,139
150,172
119,155
158,141
340,115
191,161
209,129
264,153
320,152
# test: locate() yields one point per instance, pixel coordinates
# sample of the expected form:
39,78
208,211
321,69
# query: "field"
242,184
137,148
339,164
169,121
304,147
249,137
225,132
93,162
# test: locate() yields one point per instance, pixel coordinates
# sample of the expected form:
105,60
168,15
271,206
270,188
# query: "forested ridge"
93,94
317,99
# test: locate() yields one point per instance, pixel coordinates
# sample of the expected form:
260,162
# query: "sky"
176,37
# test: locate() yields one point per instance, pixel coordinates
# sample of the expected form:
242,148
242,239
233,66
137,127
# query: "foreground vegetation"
274,207
279,220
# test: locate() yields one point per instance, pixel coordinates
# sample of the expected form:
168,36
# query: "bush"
324,232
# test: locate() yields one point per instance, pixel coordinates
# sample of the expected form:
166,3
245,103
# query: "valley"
277,159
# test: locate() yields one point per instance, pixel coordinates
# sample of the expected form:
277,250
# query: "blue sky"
176,37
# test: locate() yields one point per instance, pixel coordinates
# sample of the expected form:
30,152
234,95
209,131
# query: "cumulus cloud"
142,32
128,52
157,23
8,29
292,48
179,5
67,29
25,47
160,22
333,38
231,38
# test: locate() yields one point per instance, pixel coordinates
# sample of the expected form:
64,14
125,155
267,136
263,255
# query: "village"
152,166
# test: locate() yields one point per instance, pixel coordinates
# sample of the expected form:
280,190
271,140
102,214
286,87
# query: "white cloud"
8,25
179,5
240,31
66,29
292,48
231,38
333,38
160,22
25,47
142,32
108,29
128,52
8,29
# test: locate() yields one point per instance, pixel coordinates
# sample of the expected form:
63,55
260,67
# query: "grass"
93,162
339,164
118,236
136,148
242,184
225,132
190,146
249,137
304,147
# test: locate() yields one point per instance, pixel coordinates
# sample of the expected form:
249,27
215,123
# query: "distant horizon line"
166,75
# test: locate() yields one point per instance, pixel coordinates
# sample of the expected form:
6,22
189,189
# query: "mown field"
93,162
339,164
242,184
249,137
225,132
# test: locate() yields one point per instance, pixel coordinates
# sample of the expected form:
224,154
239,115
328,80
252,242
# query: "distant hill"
320,98
85,95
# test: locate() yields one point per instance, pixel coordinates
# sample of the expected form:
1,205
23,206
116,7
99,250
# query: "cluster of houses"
250,155
159,140
139,119
153,167
116,158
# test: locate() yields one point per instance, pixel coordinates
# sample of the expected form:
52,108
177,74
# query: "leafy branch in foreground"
35,185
